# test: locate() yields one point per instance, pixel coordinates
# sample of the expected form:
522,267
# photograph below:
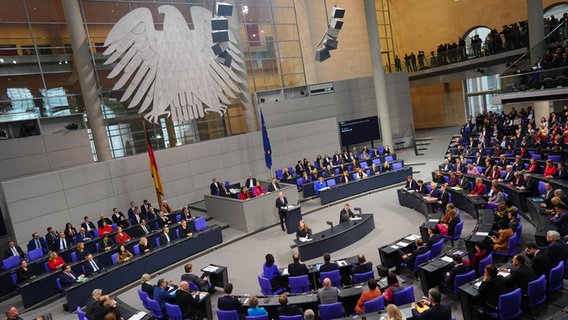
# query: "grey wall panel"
132,182
92,209
82,175
23,166
31,187
173,156
175,171
68,140
203,150
24,230
30,209
88,193
70,158
21,147
130,165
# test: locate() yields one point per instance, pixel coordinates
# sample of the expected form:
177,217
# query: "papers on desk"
356,218
459,252
80,280
395,247
457,188
138,316
342,263
431,199
477,285
433,220
447,259
401,244
210,268
483,234
234,190
285,272
413,237
324,189
504,274
202,295
305,239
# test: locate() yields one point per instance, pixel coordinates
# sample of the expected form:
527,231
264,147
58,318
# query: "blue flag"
266,142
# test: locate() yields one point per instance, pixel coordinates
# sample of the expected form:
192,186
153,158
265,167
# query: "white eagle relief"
174,70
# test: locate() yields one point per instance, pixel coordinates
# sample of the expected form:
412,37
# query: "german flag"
153,165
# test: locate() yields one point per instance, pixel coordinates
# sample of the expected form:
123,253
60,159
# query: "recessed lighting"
14,62
1,60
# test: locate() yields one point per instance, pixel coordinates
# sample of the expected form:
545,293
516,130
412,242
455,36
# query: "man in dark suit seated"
561,172
89,226
83,235
436,310
62,243
91,265
409,258
346,214
92,302
492,286
143,228
38,242
520,277
67,277
188,302
201,282
165,236
228,302
250,182
327,264
14,250
530,185
274,185
433,237
135,217
410,184
362,265
297,268
285,309
539,260
116,215
557,249
224,191
458,268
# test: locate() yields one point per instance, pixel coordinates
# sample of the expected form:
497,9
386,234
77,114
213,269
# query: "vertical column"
541,109
378,72
86,73
246,99
536,29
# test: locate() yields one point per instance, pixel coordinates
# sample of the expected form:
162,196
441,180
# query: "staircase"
420,145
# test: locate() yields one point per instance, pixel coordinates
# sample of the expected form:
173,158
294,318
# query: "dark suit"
82,237
457,270
297,269
148,288
444,198
411,185
248,182
184,232
362,268
9,253
224,192
162,296
32,245
541,264
91,226
463,183
345,215
556,251
561,174
59,246
51,238
328,267
188,304
437,312
164,240
423,189
214,188
509,176
411,257
116,217
230,303
462,168
289,310
490,291
281,204
100,222
520,278
90,269
435,238
531,186
66,279
272,188
142,232
90,307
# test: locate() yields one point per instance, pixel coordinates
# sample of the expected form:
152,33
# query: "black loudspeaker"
382,271
337,12
322,54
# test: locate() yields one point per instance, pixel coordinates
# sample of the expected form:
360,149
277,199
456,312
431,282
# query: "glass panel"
293,80
13,11
286,32
284,15
51,38
282,3
104,11
289,49
45,11
257,3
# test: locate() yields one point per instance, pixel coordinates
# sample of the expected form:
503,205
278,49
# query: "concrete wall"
351,99
52,199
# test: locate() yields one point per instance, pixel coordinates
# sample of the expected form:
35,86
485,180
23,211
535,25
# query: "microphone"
330,224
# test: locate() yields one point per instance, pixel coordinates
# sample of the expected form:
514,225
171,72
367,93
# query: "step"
415,172
411,164
420,149
199,206
423,139
420,154
422,143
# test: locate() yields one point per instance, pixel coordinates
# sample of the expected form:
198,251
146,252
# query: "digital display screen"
359,131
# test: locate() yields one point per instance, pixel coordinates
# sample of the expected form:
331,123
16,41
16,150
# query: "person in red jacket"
121,236
549,170
479,188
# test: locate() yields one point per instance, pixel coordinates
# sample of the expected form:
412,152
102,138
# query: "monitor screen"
359,130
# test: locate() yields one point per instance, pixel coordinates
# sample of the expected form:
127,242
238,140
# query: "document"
356,218
413,237
285,272
210,268
305,239
447,259
482,234
342,263
402,244
433,220
395,247
138,316
504,274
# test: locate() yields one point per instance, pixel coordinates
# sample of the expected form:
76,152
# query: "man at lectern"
282,205
346,214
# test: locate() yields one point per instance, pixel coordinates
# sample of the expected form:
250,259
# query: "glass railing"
532,79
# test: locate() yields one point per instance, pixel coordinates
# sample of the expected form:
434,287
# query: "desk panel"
416,201
543,223
346,190
466,203
342,235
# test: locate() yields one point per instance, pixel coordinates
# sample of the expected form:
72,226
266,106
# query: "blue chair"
354,175
363,164
334,276
143,296
330,311
35,254
266,287
193,286
264,317
14,277
46,266
299,284
397,165
173,311
374,305
484,263
381,150
566,268
177,233
200,224
363,277
436,249
541,187
509,306
536,292
113,257
279,174
420,259
136,248
336,170
154,308
80,314
457,233
555,158
404,296
11,262
296,317
389,158
462,279
330,182
58,283
519,232
157,241
227,315
512,248
377,162
74,256
556,277
96,233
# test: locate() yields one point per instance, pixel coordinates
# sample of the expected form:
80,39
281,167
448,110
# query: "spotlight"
322,54
336,24
330,44
332,33
220,47
337,12
225,59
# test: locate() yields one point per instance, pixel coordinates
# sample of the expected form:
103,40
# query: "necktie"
167,237
88,227
38,245
15,252
144,228
71,275
94,265
62,244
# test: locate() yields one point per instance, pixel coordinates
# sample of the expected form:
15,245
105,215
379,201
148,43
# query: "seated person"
344,177
320,184
386,167
501,243
435,192
81,251
478,189
54,261
346,214
327,264
123,222
492,286
91,265
303,231
121,236
271,272
362,265
258,189
436,311
162,219
244,194
361,174
371,294
448,223
188,302
104,228
297,268
14,251
409,258
285,309
433,237
146,286
255,310
104,307
472,170
228,302
496,199
438,177
185,230
453,181
106,243
393,286
480,254
457,268
521,276
162,294
67,277
24,272
201,282
144,246
421,187
328,293
123,255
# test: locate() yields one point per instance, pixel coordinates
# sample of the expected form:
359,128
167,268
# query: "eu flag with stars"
266,143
